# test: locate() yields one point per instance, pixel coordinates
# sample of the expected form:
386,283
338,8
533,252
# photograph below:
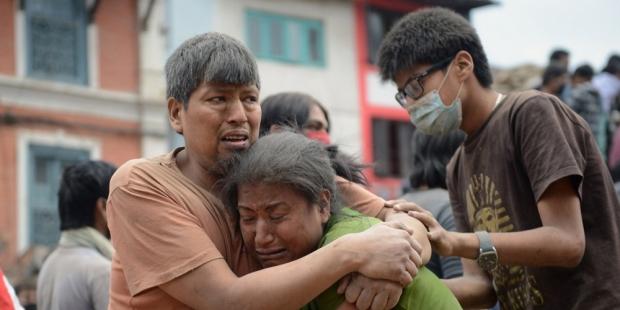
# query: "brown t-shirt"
163,226
496,178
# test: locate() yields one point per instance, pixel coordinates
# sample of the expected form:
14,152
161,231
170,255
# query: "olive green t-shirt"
426,291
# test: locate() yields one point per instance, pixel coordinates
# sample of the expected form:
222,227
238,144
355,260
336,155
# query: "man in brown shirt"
532,197
176,245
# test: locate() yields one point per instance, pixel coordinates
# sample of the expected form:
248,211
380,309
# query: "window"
56,40
285,38
378,23
47,164
391,147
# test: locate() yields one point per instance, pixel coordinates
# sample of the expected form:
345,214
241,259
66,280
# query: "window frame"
80,25
264,20
56,157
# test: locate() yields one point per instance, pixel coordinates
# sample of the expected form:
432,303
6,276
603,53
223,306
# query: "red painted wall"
118,32
116,148
367,110
7,37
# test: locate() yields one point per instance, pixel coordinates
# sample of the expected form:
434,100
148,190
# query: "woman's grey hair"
209,57
287,159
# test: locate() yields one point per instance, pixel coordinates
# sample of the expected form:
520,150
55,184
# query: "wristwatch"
487,257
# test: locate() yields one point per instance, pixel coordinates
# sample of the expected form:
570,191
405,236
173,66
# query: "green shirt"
426,291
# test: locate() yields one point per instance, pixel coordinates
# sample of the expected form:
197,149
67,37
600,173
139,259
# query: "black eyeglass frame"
403,93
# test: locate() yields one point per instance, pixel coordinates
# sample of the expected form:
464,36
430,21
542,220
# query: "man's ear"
325,206
175,115
101,205
101,220
464,65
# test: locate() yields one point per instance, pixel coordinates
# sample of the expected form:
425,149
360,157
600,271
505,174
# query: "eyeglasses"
413,86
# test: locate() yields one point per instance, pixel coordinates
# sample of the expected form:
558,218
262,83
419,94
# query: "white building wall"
153,53
334,85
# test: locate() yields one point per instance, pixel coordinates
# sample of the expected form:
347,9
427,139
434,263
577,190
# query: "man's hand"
396,211
442,241
367,293
385,251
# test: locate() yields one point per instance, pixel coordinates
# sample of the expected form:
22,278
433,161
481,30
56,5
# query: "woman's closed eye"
277,217
247,219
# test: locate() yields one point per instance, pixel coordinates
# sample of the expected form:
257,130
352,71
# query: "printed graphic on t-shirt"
514,287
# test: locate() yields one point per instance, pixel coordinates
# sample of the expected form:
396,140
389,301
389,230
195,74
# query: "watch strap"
485,241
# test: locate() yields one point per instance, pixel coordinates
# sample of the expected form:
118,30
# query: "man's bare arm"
559,242
419,231
380,252
473,290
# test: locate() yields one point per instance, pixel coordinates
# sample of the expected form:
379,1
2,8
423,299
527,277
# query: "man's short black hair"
82,184
428,36
584,71
552,72
558,54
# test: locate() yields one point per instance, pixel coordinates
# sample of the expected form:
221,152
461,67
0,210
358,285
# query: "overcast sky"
516,32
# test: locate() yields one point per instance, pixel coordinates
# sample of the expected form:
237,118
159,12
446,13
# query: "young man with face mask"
531,195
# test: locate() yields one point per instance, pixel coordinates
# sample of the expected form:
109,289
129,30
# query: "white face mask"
431,116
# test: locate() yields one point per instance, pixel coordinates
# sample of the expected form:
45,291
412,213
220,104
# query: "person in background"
615,175
608,85
428,181
76,275
305,114
554,80
560,57
608,82
296,110
614,151
585,100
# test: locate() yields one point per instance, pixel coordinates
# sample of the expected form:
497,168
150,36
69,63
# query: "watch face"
487,260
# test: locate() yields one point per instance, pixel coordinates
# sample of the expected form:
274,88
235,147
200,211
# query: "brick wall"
117,24
8,194
7,37
119,140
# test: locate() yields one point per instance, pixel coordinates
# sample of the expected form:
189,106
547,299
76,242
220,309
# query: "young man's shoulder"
530,99
535,106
